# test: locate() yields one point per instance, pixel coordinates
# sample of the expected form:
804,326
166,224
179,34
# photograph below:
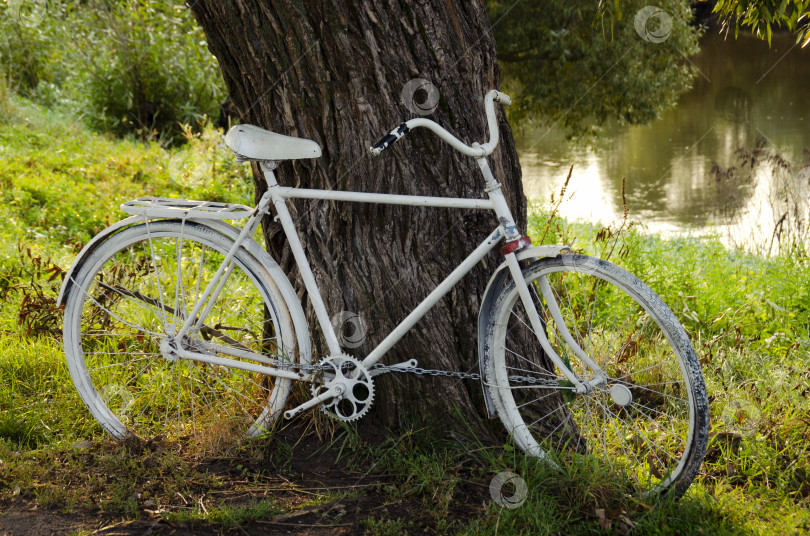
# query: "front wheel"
647,414
132,295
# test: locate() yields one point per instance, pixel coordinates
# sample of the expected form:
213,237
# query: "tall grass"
5,100
747,317
776,222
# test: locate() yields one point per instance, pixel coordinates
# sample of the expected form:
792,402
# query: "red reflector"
516,245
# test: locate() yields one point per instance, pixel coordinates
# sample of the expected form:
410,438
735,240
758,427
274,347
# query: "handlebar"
476,150
390,139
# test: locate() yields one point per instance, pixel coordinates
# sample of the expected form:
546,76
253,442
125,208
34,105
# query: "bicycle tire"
125,299
650,420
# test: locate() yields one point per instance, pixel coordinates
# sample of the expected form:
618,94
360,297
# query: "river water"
744,92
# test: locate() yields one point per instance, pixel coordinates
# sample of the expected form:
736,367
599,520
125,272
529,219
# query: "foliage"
762,17
125,66
148,68
579,64
30,53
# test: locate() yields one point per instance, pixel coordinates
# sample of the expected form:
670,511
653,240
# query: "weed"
786,206
385,527
611,234
227,516
552,221
37,281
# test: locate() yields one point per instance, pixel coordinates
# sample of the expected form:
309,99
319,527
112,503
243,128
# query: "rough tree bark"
332,71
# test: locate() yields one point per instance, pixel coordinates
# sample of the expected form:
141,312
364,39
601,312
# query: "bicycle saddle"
253,143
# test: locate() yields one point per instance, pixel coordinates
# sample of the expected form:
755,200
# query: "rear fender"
277,275
88,250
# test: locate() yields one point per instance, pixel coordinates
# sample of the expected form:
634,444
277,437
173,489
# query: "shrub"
30,49
148,69
124,66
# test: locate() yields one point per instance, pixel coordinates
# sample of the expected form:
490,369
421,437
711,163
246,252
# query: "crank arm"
411,363
326,395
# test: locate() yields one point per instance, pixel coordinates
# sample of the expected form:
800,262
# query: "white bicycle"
178,323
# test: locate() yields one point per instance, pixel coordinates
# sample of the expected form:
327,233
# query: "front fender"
496,283
277,275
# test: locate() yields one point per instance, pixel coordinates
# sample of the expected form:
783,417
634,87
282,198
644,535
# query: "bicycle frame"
277,196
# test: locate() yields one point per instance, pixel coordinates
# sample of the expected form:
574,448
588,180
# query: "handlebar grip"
381,145
389,139
503,98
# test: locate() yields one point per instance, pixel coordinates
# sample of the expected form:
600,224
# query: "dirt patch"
290,484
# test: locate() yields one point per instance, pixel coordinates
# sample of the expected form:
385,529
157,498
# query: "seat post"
267,167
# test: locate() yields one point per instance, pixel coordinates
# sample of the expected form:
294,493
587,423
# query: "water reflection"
744,92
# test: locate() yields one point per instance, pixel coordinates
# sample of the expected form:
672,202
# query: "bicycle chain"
422,371
430,372
463,375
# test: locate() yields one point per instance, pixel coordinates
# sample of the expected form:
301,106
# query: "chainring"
358,387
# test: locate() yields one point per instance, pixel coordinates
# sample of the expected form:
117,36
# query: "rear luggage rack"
164,207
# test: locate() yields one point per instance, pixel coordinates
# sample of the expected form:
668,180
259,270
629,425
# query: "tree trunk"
333,71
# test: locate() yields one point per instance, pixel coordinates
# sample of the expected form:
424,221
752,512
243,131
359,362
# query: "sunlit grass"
747,317
38,404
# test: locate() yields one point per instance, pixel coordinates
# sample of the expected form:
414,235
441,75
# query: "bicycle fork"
581,387
516,243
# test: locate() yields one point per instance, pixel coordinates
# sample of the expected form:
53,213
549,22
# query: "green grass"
229,517
747,316
385,527
63,183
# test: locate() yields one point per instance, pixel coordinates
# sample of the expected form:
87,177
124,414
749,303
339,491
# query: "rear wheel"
127,301
649,418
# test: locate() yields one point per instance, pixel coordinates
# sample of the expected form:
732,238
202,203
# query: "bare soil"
304,483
